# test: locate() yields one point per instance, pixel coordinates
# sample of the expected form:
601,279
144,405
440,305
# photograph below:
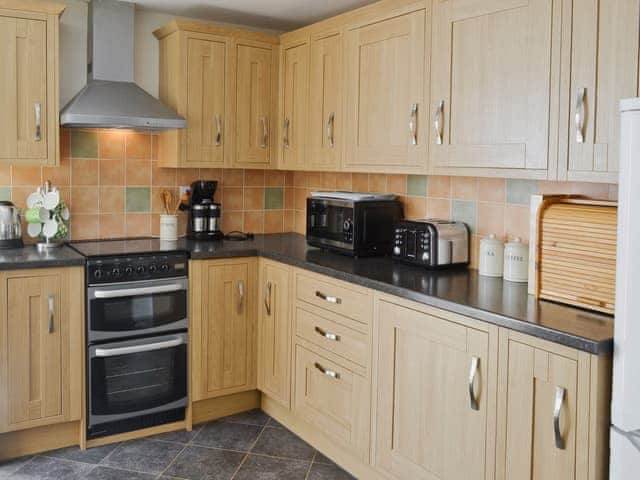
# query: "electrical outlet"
183,190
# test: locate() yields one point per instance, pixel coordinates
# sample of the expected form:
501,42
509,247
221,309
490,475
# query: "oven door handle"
145,347
132,292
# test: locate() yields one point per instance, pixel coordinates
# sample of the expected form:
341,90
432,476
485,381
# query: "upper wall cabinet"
222,81
604,69
386,59
494,87
29,96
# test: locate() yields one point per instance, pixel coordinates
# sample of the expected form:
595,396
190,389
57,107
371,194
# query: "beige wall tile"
491,189
464,188
516,222
439,186
491,219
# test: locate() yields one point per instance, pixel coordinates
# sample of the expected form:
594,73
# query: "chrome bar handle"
265,132
285,136
582,94
328,373
267,299
218,130
473,372
240,294
331,128
327,335
52,313
38,112
327,298
557,409
413,124
145,347
135,291
437,122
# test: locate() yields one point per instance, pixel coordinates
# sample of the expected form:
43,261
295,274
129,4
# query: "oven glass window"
138,312
138,381
327,221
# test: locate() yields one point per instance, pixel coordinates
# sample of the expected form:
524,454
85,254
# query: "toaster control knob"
346,226
425,257
396,250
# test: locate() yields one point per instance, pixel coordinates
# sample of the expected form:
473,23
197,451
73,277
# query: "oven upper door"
137,308
137,377
330,221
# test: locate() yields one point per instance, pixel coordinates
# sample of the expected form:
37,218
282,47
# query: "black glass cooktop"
100,248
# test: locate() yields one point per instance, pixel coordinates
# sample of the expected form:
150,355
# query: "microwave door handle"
145,347
131,292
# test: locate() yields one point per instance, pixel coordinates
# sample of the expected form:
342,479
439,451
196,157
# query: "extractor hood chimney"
111,99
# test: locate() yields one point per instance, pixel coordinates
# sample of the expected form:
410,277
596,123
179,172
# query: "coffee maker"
204,214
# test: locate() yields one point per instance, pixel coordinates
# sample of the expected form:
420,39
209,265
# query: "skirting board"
40,439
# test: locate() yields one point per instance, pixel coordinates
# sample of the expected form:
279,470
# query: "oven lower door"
136,384
136,308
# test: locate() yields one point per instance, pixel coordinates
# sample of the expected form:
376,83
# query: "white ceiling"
272,14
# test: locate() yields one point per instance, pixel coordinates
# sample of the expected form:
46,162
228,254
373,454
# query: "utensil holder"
169,227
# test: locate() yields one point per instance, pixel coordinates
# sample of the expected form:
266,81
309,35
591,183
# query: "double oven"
137,336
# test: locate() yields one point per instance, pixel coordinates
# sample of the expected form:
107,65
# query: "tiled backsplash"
112,183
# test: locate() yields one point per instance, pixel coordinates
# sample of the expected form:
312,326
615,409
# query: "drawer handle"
557,409
327,298
327,335
473,372
328,373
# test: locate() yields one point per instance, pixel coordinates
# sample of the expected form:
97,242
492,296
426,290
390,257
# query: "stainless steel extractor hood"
111,99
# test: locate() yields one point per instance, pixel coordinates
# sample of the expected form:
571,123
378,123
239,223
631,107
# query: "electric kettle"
10,227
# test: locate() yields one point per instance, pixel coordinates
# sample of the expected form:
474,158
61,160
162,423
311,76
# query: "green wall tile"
520,191
5,193
417,185
84,144
138,199
274,198
465,211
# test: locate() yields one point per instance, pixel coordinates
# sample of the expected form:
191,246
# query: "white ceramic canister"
491,256
516,261
169,227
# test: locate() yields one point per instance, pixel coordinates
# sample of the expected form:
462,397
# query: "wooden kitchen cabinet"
295,105
385,105
603,70
41,347
29,93
495,69
274,331
430,422
222,81
553,409
223,313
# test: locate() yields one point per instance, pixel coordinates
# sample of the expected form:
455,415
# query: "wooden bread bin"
573,251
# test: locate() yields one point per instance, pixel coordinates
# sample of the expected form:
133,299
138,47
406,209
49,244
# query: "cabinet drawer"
332,399
334,296
330,335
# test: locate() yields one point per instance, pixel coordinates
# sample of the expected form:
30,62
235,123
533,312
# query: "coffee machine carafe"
204,214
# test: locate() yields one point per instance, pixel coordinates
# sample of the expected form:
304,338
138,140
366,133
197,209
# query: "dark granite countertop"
30,257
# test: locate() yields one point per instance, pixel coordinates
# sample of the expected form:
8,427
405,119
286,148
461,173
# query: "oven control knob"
140,269
346,226
153,268
128,270
164,267
98,274
116,272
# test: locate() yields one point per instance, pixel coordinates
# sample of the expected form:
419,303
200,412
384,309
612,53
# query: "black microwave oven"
357,224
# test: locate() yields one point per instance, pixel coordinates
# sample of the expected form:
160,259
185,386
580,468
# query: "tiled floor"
247,446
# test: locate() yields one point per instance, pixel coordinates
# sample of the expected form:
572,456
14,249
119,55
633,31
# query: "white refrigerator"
625,406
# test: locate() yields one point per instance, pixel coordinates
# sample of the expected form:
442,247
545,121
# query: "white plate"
51,200
50,228
35,200
34,229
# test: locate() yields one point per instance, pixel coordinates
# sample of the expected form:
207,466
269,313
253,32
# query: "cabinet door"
604,69
430,423
491,86
40,348
274,332
326,122
385,92
223,328
531,382
295,108
23,90
206,102
254,103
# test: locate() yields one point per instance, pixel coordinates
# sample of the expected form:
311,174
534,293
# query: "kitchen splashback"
112,182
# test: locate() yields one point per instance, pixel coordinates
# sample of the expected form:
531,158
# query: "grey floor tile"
278,442
201,463
275,424
252,417
143,456
44,468
320,471
257,467
229,436
108,473
91,455
320,458
177,436
10,466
